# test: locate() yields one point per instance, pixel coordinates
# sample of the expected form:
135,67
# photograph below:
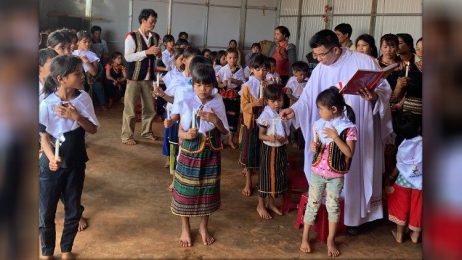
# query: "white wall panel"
398,24
309,26
223,26
289,7
190,1
399,6
352,6
161,8
226,2
258,26
267,3
360,24
190,19
114,24
311,7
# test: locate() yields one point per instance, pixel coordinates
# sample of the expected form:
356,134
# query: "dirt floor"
127,204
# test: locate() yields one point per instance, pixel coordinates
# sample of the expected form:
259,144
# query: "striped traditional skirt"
249,146
173,147
233,108
273,171
196,186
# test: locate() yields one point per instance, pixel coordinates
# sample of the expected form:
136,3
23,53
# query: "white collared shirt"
130,49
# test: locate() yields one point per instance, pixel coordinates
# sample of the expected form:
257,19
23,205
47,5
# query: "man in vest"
141,50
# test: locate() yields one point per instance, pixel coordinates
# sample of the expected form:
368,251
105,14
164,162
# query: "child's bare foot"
305,247
264,214
67,255
129,141
398,237
332,249
415,236
207,239
185,238
83,224
274,208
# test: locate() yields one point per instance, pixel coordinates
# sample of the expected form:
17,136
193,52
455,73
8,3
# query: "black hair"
232,40
407,38
332,98
45,54
407,125
83,34
272,61
232,50
419,40
116,54
205,50
218,56
177,52
212,55
61,65
300,66
390,39
256,44
145,14
183,33
283,30
326,38
203,73
344,28
369,40
57,37
258,61
191,52
95,28
180,42
273,92
168,38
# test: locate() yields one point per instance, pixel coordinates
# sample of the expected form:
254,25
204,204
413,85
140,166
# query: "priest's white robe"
363,183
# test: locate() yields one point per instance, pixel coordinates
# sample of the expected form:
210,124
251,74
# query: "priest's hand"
367,94
287,113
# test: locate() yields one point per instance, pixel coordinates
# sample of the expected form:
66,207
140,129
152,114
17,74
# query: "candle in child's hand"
261,90
407,68
57,149
315,137
193,125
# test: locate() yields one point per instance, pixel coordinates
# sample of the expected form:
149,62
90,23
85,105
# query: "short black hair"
390,39
407,125
183,33
326,38
273,92
168,38
300,66
232,50
256,44
272,61
188,52
344,28
116,54
145,14
205,50
57,37
95,28
259,61
45,54
283,30
83,34
203,73
180,42
220,54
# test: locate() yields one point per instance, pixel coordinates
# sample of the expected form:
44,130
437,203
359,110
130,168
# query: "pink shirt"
323,168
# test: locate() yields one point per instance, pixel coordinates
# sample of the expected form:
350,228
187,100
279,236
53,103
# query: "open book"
366,79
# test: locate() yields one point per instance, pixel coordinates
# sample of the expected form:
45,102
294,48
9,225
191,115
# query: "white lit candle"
193,122
274,126
261,90
315,137
57,149
407,69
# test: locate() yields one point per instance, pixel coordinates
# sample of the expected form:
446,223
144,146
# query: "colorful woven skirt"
249,145
196,185
273,171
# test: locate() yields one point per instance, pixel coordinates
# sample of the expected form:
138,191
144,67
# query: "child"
116,78
196,188
206,53
66,114
219,61
333,147
405,196
273,165
230,78
251,105
297,82
45,57
60,41
255,49
167,54
272,76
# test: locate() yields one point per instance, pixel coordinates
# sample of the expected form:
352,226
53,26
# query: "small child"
273,166
60,41
405,196
254,49
251,106
196,186
46,55
116,78
297,82
272,76
230,77
65,115
167,54
90,59
219,61
333,145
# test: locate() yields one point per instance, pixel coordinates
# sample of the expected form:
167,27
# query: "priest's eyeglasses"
322,55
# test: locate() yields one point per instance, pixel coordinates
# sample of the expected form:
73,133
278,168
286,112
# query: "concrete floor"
127,203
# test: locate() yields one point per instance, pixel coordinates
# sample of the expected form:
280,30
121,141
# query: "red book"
366,79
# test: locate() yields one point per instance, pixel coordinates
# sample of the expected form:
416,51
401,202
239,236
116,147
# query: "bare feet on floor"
247,191
274,208
67,255
264,214
129,142
83,224
150,137
415,237
305,247
185,238
332,250
207,239
398,238
46,257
